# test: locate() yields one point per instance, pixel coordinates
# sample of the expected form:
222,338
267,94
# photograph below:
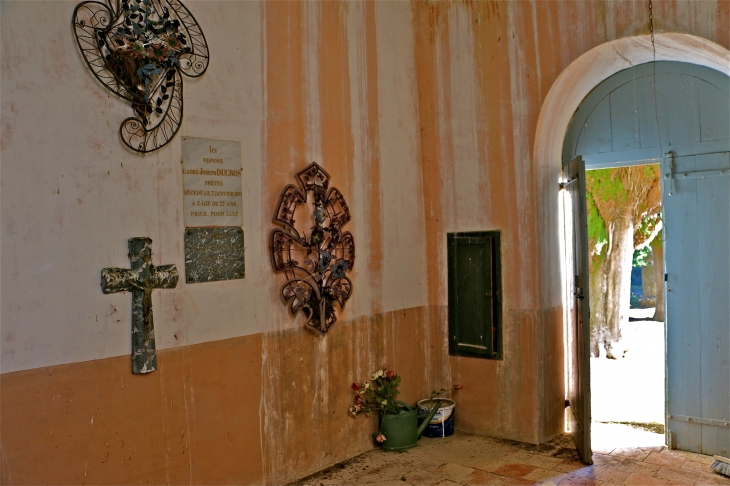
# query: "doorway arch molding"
566,94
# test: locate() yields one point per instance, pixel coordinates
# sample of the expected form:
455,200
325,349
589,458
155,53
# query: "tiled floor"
477,460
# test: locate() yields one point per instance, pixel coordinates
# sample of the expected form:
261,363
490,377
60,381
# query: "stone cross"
140,280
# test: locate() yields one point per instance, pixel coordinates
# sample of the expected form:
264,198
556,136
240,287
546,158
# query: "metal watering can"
402,431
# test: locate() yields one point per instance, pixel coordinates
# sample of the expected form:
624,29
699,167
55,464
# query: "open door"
575,223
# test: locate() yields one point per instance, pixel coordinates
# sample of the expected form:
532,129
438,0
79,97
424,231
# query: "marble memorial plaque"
212,185
213,254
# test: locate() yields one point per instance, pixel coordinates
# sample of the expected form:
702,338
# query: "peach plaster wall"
485,70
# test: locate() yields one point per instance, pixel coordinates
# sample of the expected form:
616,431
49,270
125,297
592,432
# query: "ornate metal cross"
140,280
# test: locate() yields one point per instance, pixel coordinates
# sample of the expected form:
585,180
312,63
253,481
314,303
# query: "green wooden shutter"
474,294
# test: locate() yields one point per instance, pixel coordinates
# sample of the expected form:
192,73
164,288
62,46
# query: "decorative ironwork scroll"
315,259
139,50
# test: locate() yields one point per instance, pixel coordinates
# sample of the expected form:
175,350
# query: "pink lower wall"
251,410
262,408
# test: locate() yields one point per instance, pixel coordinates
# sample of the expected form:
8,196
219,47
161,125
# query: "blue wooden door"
633,118
696,198
637,115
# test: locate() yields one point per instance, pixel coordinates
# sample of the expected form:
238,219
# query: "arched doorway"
678,115
571,88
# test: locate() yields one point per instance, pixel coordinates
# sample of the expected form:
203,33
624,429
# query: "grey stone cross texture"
140,280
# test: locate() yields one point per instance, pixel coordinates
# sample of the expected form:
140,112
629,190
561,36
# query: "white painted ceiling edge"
564,97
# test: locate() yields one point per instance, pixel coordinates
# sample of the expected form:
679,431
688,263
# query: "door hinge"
670,172
700,420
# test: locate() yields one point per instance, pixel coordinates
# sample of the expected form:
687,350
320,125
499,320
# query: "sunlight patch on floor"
606,437
631,387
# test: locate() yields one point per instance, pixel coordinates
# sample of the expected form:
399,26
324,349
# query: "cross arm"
118,280
164,277
124,279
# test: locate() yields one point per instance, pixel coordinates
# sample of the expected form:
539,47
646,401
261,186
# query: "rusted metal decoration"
140,280
139,50
316,258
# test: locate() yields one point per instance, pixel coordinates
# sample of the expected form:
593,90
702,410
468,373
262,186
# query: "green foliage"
597,234
606,185
644,235
641,257
651,171
602,185
648,224
649,175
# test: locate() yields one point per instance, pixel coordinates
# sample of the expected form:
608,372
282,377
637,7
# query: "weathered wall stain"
307,426
196,420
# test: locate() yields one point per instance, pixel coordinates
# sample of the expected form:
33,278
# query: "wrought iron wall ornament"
315,263
139,50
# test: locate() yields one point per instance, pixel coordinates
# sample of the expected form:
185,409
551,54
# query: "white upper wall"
72,195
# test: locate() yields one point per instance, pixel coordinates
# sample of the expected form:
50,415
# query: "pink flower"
458,386
380,438
357,408
389,374
358,400
355,386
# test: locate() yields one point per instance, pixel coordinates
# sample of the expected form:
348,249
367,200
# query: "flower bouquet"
399,429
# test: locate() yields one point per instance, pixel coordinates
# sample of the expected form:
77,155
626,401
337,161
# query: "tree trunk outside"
657,252
618,279
597,292
648,287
